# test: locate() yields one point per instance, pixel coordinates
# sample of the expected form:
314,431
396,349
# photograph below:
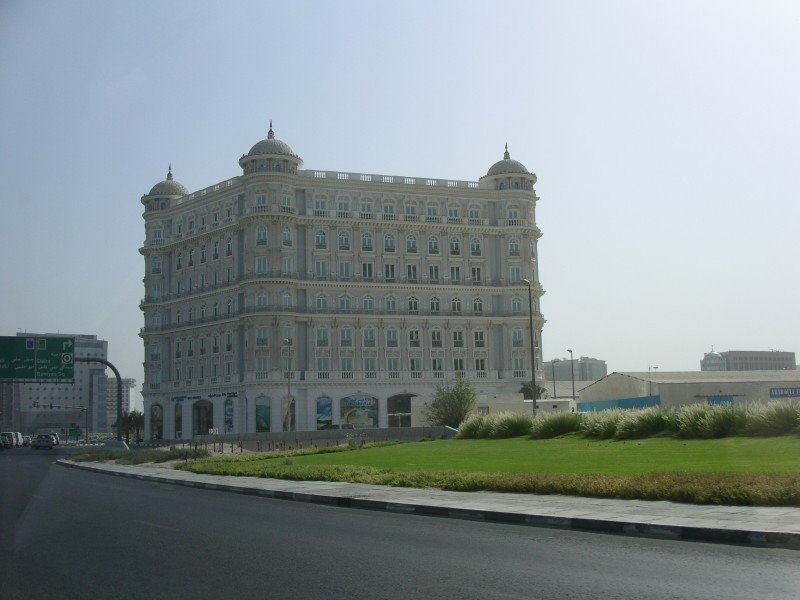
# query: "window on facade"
369,366
388,243
433,211
323,364
411,272
262,301
435,305
366,242
366,271
475,247
228,247
480,341
177,349
391,304
458,365
261,236
455,305
388,272
433,273
391,338
413,305
286,301
202,254
368,304
345,272
369,337
477,306
345,303
411,244
516,306
346,337
343,209
436,365
455,274
261,265
286,237
458,339
455,246
320,207
413,338
261,200
322,337
320,240
513,247
321,269
321,302
515,274
344,240
261,337
155,267
516,337
287,267
436,339
179,261
393,366
476,275
346,365
433,245
215,255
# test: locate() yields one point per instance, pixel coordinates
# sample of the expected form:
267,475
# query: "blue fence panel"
641,402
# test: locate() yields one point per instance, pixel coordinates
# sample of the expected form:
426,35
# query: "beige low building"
639,390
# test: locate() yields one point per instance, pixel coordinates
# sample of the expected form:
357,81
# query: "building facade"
55,406
585,369
748,360
288,299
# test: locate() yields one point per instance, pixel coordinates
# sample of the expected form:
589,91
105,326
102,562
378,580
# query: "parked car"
5,442
43,440
26,440
12,436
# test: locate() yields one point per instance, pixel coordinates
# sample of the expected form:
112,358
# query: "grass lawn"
574,454
736,470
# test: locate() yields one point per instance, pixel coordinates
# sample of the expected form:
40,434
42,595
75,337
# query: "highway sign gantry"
37,358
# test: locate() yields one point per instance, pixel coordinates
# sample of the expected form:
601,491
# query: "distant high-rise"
748,360
586,369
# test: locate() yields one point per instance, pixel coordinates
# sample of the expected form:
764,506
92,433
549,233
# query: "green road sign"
37,358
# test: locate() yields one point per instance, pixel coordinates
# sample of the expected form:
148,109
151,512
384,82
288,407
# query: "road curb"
770,539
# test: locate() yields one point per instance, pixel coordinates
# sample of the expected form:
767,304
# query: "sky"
665,136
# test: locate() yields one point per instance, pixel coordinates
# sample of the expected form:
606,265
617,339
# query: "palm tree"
126,426
137,423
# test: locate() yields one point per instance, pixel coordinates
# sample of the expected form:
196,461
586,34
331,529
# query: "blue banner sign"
792,392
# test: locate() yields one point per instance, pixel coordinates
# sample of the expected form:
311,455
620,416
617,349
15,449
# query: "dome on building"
168,187
507,166
271,145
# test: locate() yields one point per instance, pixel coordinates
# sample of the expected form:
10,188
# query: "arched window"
286,301
413,304
455,305
286,237
411,244
202,254
191,314
433,245
262,301
178,317
477,305
216,251
203,311
516,338
368,304
455,246
366,242
345,303
388,243
320,240
321,302
228,246
390,303
179,261
261,236
475,247
344,240
513,247
155,267
229,307
435,305
191,257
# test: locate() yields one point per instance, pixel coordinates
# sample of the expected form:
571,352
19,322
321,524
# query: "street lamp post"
533,344
553,363
289,418
572,368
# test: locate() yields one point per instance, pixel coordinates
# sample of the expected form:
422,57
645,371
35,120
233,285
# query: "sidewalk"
754,525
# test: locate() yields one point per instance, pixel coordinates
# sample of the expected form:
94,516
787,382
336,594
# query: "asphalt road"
71,534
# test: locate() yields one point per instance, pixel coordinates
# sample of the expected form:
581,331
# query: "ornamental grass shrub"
550,425
643,423
602,424
774,418
508,424
474,426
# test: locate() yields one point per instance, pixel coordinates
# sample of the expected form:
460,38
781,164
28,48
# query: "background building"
111,397
670,389
748,360
286,299
89,389
586,369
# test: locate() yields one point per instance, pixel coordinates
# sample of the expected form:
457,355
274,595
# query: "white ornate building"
287,299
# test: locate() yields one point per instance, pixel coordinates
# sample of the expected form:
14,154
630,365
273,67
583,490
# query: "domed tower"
508,174
160,194
270,155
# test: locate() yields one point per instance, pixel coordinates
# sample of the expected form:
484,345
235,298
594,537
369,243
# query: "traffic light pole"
119,392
